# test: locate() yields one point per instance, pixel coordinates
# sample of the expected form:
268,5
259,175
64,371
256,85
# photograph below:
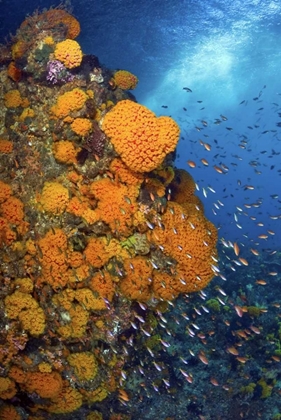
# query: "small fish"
205,162
232,350
242,359
164,106
203,358
238,310
166,382
123,395
165,343
158,367
254,251
243,261
187,89
155,387
263,236
214,382
255,329
218,169
191,163
261,282
236,249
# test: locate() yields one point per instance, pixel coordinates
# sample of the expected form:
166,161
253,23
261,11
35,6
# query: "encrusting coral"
72,100
125,80
54,197
140,138
69,53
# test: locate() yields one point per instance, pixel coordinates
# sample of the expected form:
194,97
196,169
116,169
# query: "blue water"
225,52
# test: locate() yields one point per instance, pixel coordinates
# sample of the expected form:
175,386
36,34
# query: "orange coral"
45,367
7,235
65,152
117,205
53,258
140,138
125,80
8,412
84,364
77,205
26,113
13,99
81,126
69,53
95,252
183,186
191,244
102,284
24,307
90,216
98,394
165,286
89,301
13,72
66,401
59,16
72,100
124,174
137,282
7,388
6,146
49,40
46,385
24,285
76,318
12,210
5,191
33,321
17,374
54,197
19,49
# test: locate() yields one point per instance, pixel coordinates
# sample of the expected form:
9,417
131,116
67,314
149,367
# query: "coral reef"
95,222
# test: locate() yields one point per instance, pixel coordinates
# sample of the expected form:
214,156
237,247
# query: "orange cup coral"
59,16
46,385
69,53
54,198
5,191
125,80
140,138
24,307
65,151
70,101
13,99
84,364
192,244
81,126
